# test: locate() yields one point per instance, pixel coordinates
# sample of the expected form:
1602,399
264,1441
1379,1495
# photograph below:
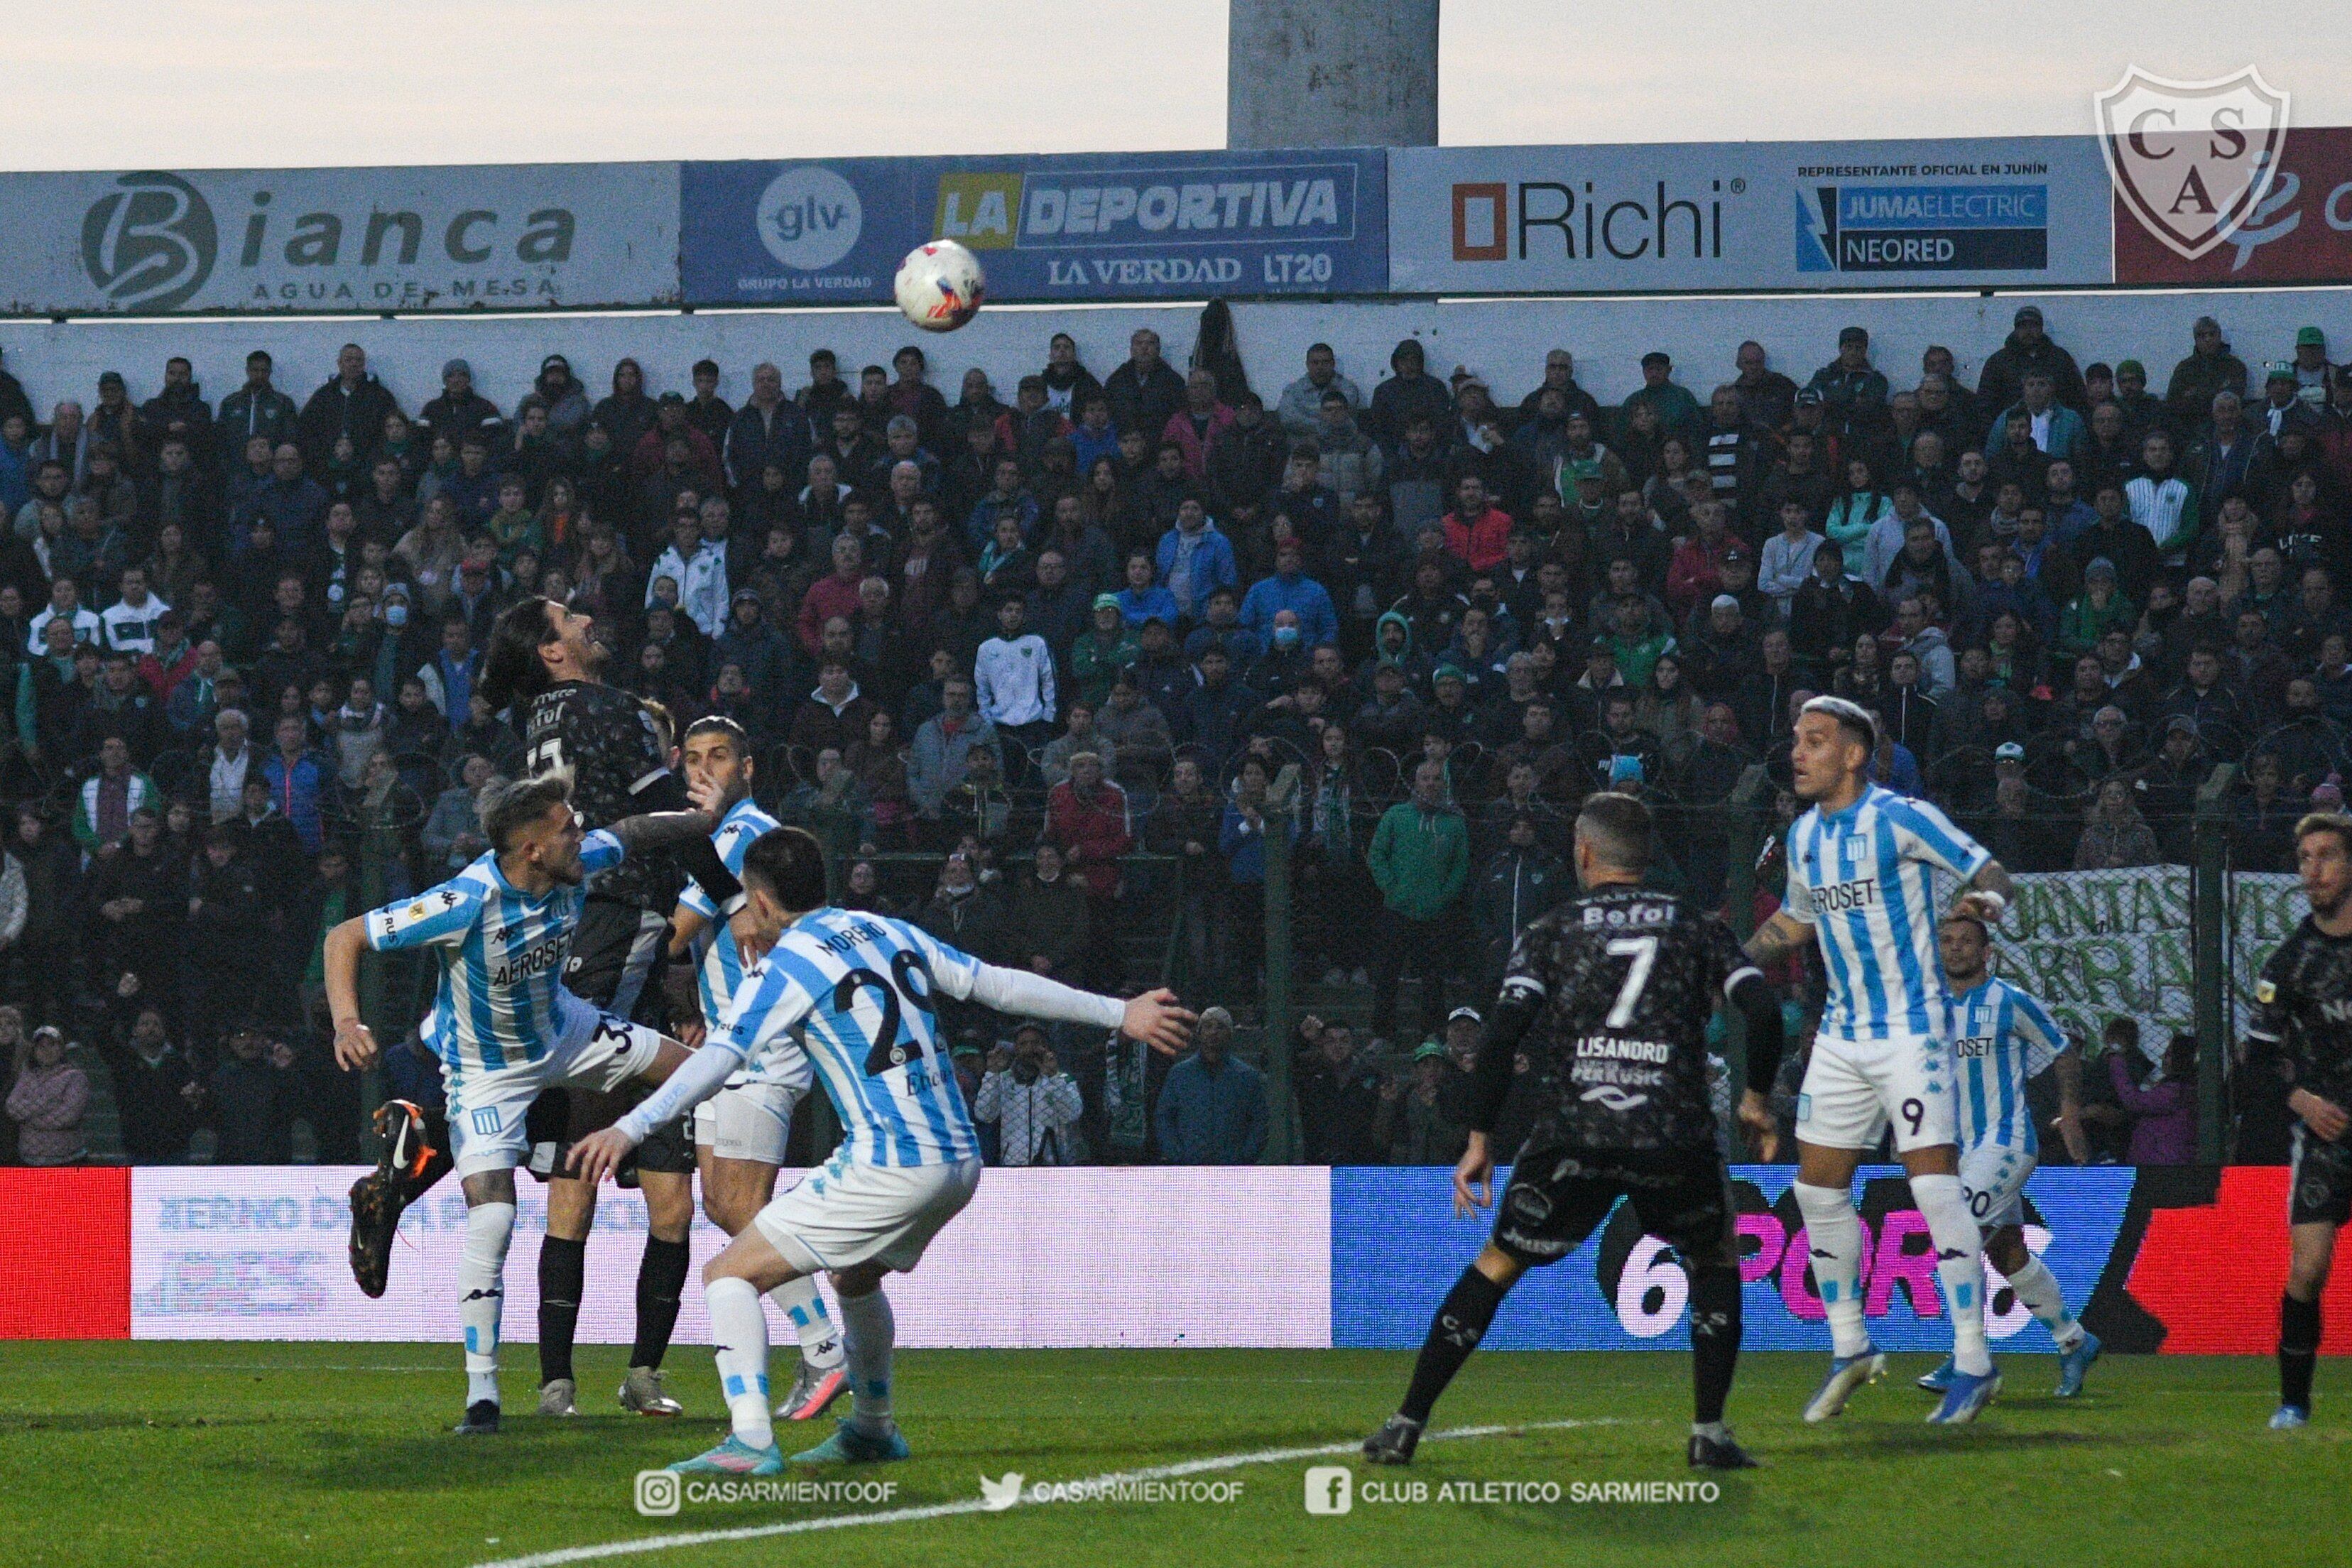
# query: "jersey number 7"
1643,952
888,1049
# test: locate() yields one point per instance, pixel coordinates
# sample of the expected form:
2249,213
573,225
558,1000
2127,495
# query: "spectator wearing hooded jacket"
1410,394
2029,347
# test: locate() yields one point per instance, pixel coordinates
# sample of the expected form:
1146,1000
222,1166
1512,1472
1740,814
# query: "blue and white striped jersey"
858,989
718,967
2000,1038
502,956
1863,878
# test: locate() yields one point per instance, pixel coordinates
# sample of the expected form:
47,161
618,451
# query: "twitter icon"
1001,1495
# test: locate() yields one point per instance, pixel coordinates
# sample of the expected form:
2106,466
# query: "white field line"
975,1505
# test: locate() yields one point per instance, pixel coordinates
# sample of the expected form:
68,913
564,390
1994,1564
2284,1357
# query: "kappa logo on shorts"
485,1122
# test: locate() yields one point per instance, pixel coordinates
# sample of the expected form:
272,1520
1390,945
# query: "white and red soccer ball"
939,286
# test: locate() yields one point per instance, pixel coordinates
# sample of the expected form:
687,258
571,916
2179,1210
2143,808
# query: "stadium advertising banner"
2299,232
1154,225
2010,212
458,238
2180,1260
1042,1258
793,233
1137,226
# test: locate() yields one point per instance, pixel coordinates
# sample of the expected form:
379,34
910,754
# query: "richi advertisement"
1690,217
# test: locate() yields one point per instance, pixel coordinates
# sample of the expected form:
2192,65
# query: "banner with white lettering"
1095,226
2095,945
1161,225
2001,211
497,235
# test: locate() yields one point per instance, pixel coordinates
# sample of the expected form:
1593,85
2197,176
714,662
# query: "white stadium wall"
1503,340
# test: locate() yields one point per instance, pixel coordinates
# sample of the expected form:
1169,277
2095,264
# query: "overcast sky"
211,83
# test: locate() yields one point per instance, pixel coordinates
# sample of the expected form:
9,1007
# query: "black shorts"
616,956
2319,1181
1558,1196
615,952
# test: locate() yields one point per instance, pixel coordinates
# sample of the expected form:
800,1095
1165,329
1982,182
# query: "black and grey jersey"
1624,981
2303,1008
607,740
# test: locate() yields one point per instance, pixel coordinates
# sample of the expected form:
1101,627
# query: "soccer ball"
939,286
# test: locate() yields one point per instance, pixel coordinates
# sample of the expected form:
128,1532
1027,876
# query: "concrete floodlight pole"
1332,73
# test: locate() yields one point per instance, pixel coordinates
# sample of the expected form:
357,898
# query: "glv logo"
809,218
2192,160
150,242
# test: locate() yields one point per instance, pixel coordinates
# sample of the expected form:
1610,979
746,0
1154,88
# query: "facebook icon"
1331,1489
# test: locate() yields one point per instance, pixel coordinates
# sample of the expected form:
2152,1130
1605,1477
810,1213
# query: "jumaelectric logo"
1923,228
150,242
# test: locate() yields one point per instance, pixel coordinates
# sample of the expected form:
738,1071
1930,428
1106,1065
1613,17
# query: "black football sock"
661,1280
2298,1350
1715,1339
562,1267
1460,1322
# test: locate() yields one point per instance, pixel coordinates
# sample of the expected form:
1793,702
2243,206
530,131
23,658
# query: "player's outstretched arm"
702,1074
661,829
1156,1017
355,1047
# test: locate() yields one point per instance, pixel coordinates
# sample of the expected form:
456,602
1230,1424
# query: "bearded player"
542,663
503,1024
2303,1001
1860,865
740,1133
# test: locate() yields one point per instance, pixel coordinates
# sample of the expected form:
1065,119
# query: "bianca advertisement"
409,239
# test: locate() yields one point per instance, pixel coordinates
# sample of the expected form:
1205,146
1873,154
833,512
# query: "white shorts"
1993,1176
487,1110
1853,1088
747,1121
849,1213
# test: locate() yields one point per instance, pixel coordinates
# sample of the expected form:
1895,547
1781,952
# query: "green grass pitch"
249,1456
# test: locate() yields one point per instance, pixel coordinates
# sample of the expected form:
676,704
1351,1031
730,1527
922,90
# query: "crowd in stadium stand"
1012,649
